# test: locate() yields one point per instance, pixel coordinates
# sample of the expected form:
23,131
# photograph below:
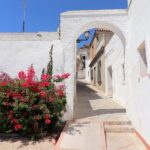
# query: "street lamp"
86,37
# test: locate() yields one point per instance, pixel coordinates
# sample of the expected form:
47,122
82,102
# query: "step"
117,123
123,141
119,128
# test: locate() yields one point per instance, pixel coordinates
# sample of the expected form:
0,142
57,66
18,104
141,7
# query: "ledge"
95,12
28,36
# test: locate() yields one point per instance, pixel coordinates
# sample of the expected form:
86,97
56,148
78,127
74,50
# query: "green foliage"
31,107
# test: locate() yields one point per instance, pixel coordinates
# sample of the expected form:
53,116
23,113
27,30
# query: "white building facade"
19,50
127,57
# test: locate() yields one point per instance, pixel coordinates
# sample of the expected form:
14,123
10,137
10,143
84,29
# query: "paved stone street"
24,144
93,105
85,132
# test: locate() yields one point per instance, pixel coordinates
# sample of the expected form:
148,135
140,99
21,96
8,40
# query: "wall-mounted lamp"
86,37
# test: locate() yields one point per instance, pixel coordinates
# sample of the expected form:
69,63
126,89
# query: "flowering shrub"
28,106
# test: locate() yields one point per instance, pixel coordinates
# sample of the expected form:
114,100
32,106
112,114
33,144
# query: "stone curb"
57,144
147,146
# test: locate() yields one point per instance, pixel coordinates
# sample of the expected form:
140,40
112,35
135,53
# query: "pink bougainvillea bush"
29,106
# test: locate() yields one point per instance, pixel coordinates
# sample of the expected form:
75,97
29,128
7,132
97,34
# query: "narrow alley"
99,124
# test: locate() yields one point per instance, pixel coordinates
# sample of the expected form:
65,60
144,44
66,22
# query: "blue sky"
44,15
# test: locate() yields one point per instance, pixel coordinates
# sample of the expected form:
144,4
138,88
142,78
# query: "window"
99,72
142,60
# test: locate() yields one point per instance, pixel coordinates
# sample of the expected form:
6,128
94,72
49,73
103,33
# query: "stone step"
117,123
119,128
123,141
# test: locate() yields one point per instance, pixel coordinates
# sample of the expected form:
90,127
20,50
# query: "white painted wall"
139,91
95,80
134,95
19,51
114,56
17,56
58,57
87,69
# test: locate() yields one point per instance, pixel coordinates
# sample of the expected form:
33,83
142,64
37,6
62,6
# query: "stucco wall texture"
139,102
18,51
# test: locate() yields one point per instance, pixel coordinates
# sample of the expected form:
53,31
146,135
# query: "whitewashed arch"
102,25
73,24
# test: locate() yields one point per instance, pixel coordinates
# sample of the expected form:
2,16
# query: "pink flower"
61,86
30,74
45,84
60,93
4,76
21,75
25,84
65,75
3,83
62,76
47,121
18,127
43,94
45,77
16,95
57,76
